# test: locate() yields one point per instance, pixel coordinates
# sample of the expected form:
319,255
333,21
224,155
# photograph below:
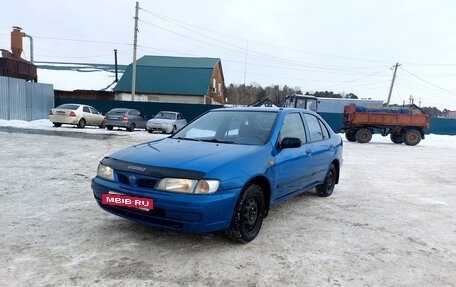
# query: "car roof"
264,109
120,110
69,104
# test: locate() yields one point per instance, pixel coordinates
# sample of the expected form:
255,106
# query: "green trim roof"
170,75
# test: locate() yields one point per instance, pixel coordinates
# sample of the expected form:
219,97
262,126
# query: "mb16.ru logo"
127,201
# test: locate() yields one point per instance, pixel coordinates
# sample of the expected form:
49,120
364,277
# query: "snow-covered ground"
390,222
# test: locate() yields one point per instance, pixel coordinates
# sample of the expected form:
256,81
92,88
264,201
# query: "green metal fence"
190,111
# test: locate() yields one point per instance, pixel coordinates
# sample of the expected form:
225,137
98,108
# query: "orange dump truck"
404,125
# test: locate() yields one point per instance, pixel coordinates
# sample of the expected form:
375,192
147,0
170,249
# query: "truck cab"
302,102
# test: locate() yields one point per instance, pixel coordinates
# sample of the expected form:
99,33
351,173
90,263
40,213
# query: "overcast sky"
336,45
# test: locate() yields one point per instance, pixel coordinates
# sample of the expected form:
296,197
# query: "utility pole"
133,73
392,84
115,64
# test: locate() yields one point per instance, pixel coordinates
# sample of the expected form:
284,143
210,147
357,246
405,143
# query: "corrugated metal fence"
27,101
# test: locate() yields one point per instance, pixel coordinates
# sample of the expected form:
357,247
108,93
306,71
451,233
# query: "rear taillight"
104,117
72,114
124,118
50,112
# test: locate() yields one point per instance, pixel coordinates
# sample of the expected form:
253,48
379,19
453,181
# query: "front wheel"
327,187
248,215
363,135
57,125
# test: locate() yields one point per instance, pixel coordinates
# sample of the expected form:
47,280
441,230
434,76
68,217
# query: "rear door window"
317,129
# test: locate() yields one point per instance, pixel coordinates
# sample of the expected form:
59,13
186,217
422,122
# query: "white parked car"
167,122
76,114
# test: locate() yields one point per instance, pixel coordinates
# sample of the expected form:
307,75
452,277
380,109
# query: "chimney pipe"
31,46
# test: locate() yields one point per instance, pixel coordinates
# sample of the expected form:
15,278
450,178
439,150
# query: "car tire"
326,188
412,137
174,130
81,123
150,131
131,128
248,215
57,125
109,128
363,135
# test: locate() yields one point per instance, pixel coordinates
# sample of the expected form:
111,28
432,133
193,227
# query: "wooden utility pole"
133,73
392,84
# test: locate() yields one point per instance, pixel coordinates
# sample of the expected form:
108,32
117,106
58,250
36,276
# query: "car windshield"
230,126
117,111
68,107
166,116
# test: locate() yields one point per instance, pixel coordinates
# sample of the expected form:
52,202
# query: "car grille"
137,180
123,179
146,183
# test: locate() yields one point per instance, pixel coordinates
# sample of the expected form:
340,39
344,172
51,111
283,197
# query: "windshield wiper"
188,139
214,140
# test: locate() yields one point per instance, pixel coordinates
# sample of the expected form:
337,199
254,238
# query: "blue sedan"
223,171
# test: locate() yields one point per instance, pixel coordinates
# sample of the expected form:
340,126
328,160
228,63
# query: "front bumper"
159,128
183,212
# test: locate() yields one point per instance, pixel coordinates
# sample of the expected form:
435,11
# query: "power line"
432,84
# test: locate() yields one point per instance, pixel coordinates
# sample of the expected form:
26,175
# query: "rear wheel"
132,127
109,128
57,125
350,135
327,187
412,137
397,137
248,215
363,135
81,123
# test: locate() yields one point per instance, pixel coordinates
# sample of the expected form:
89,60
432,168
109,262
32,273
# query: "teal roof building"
174,79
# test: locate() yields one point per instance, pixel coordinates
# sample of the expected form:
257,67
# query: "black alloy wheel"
248,215
327,187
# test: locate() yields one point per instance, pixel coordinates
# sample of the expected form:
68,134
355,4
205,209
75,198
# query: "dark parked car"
125,118
223,171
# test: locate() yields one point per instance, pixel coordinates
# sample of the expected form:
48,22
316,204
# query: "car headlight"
105,172
184,185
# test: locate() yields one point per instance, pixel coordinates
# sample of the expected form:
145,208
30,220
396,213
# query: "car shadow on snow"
157,237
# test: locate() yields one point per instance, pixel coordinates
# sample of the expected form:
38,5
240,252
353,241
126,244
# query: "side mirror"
290,143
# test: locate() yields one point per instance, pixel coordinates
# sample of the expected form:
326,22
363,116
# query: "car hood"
185,154
160,121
